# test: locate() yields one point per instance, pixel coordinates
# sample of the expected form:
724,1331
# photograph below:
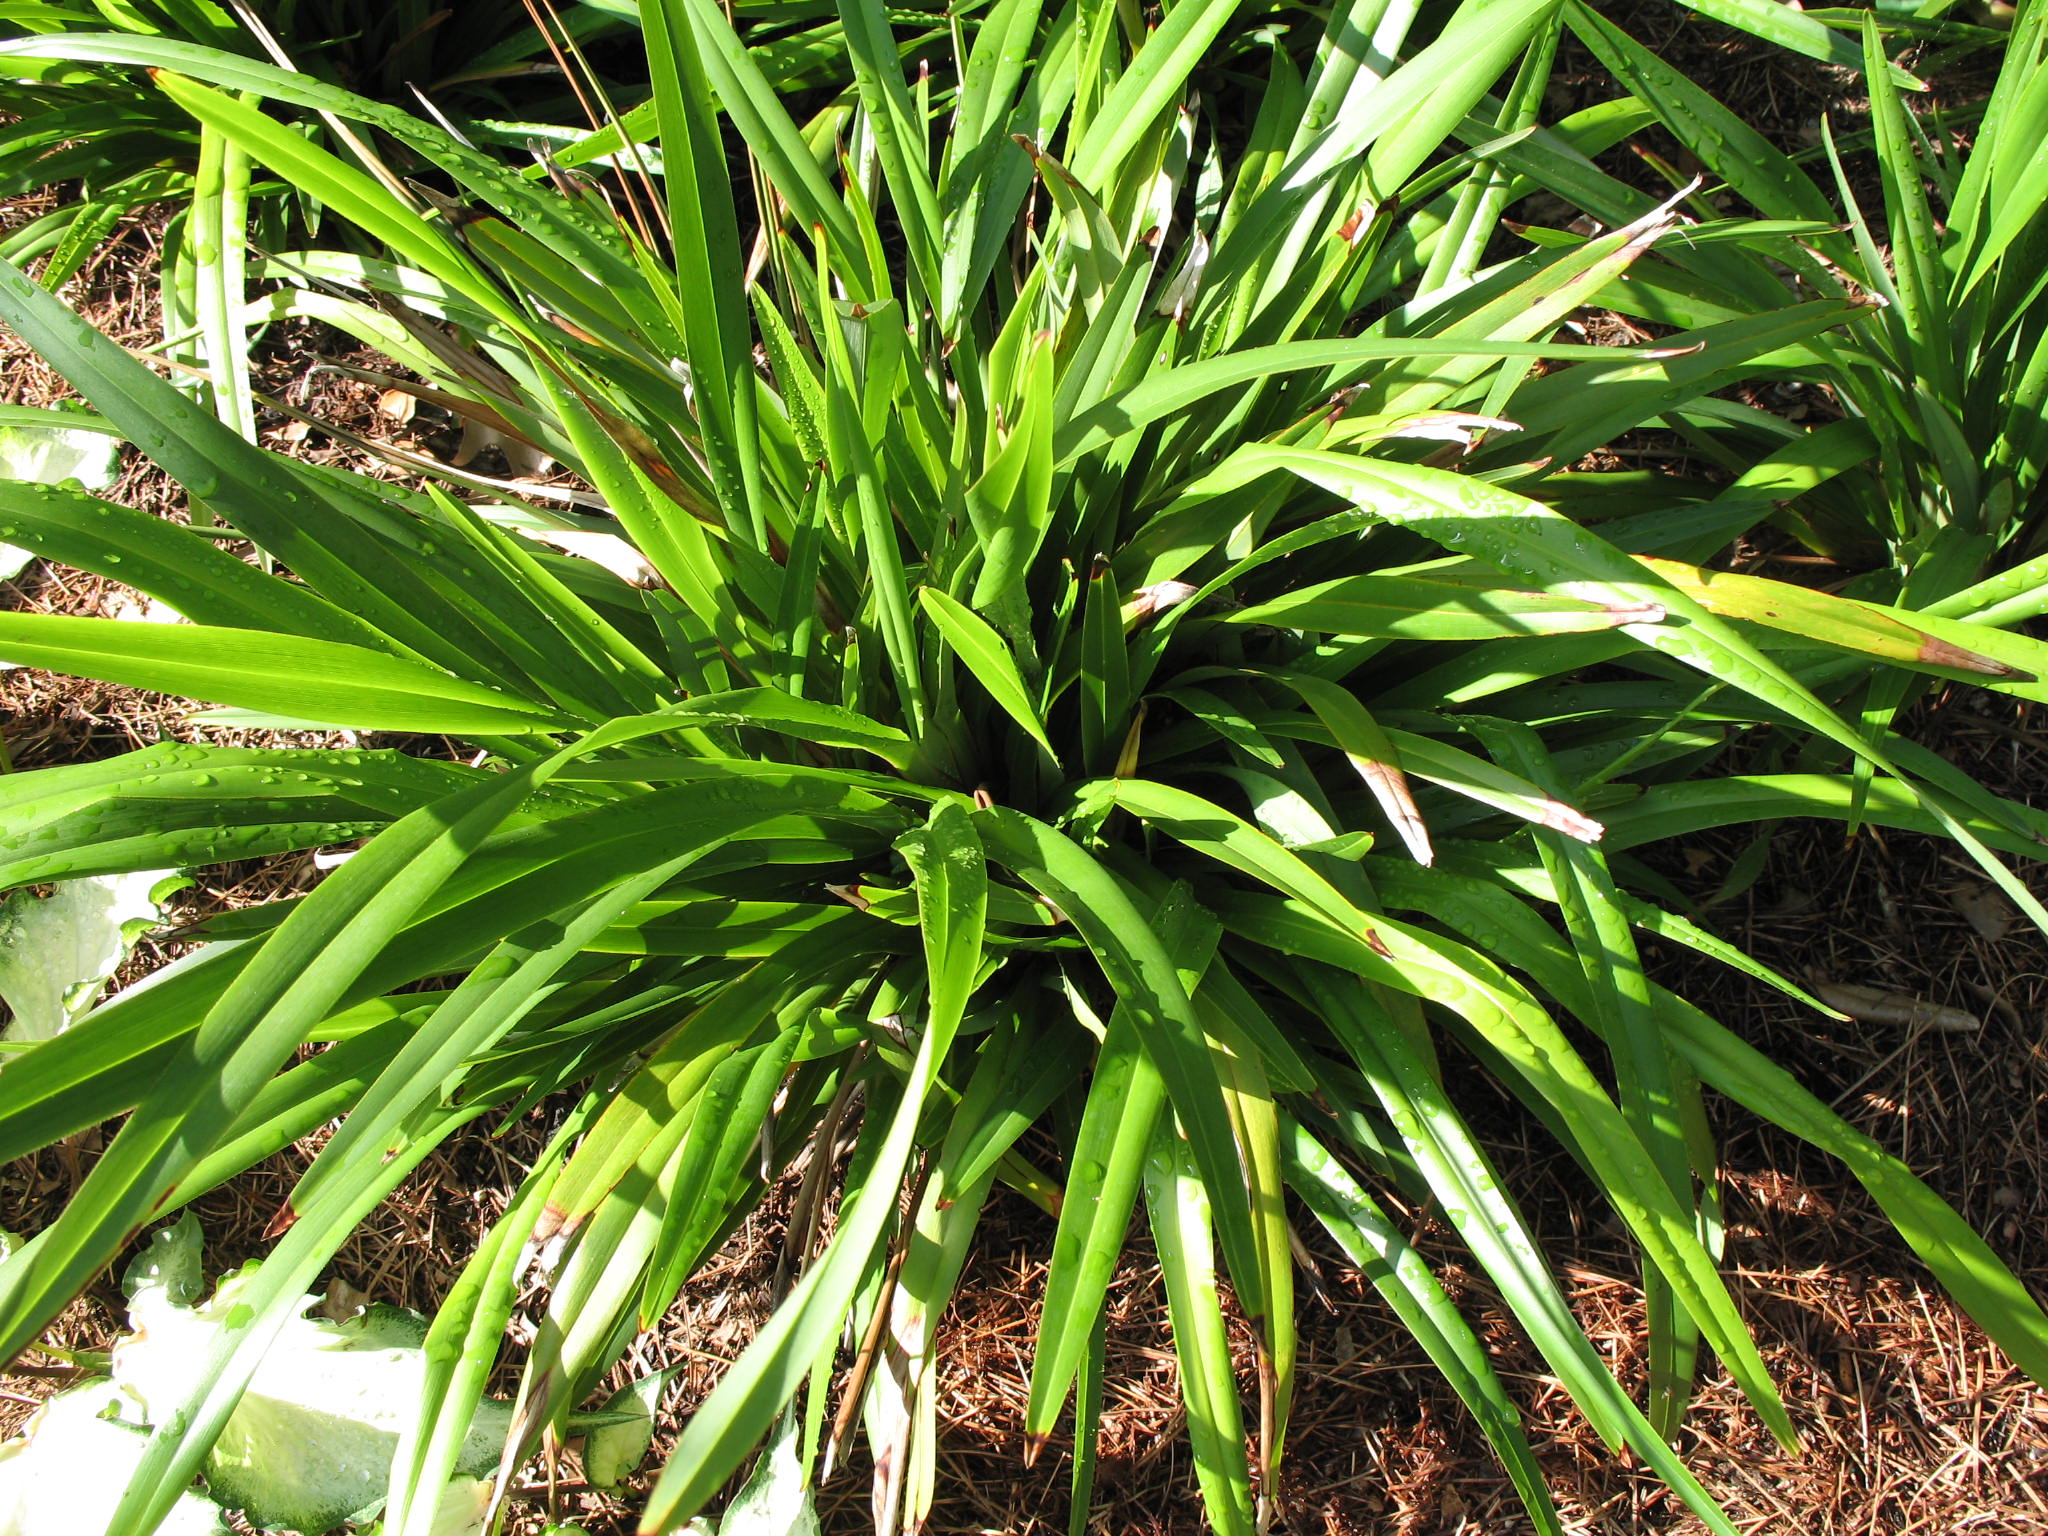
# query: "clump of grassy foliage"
1076,687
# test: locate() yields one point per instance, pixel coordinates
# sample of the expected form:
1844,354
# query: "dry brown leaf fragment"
1874,1005
342,1302
1985,909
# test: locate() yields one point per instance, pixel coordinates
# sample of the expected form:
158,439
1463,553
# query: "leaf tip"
1658,354
1941,653
1560,817
553,1221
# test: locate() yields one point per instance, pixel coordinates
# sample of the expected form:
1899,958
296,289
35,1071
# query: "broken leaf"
605,549
310,1444
523,459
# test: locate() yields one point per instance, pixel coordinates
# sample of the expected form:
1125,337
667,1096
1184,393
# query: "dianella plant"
108,137
1929,485
1941,381
1066,677
494,73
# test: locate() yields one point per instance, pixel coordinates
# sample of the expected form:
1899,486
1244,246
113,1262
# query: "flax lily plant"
75,124
1929,487
1942,378
1074,687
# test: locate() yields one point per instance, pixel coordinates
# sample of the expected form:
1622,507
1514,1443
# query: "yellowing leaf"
1820,617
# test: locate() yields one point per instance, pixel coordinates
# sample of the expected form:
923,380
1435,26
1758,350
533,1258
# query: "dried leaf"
1985,909
1874,1005
1389,786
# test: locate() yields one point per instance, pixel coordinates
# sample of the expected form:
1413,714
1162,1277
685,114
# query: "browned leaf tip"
282,1222
553,1219
1034,1447
1940,653
1159,597
1560,817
